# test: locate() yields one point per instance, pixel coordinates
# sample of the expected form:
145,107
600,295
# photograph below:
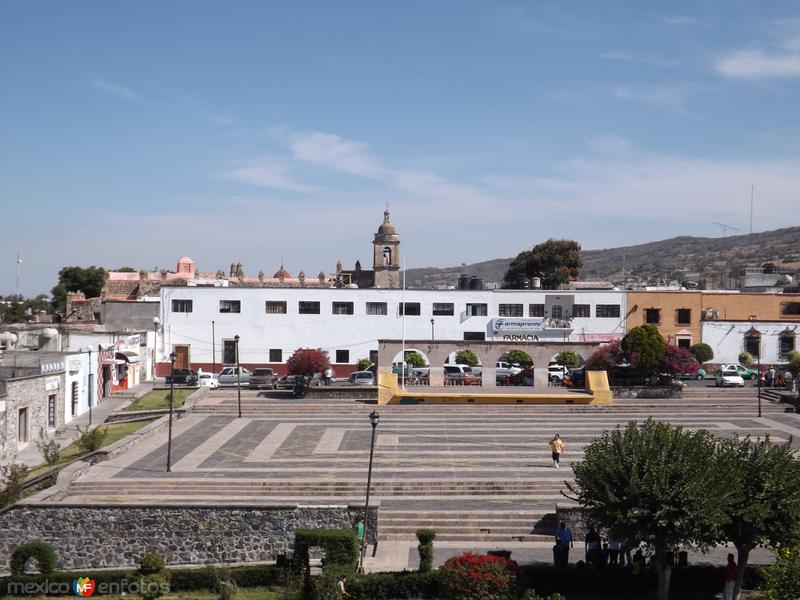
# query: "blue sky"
134,133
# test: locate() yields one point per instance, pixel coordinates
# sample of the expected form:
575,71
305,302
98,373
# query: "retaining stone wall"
644,391
116,536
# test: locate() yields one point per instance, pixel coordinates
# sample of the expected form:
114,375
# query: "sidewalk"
66,434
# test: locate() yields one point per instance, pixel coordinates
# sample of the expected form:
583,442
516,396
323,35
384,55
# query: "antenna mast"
752,193
725,228
19,272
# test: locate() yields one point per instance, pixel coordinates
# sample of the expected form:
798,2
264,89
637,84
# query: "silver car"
230,376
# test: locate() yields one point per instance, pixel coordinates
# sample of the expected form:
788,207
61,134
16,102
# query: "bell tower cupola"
386,255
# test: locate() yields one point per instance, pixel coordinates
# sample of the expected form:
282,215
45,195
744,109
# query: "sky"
134,133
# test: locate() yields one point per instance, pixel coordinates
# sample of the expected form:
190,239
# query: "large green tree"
763,484
554,261
16,309
654,484
644,347
88,280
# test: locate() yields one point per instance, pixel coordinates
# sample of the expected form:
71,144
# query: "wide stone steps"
469,537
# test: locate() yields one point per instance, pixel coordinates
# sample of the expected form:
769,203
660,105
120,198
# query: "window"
785,345
581,310
410,309
685,343
474,336
230,306
535,310
477,310
607,311
342,308
652,316
752,344
443,309
277,307
558,312
309,308
791,308
275,355
74,405
22,426
228,352
683,316
182,306
343,356
510,310
51,410
373,357
377,308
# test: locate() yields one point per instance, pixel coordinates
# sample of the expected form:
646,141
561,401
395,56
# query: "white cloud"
755,64
672,96
113,89
655,61
268,173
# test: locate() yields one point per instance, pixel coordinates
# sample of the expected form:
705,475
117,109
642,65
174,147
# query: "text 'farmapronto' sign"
520,326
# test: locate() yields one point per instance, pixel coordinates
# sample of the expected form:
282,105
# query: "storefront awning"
128,356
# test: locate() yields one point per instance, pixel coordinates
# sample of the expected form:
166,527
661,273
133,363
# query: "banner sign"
519,326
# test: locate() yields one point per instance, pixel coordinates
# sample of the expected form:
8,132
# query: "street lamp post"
238,376
156,323
213,350
432,336
374,417
758,376
172,358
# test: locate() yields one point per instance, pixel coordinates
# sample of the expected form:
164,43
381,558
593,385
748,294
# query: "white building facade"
199,324
769,341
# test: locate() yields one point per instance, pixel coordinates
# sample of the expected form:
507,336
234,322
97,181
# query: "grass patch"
116,431
159,399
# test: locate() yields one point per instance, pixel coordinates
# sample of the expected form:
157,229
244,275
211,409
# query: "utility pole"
19,274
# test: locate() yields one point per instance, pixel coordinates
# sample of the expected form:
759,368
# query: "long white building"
200,323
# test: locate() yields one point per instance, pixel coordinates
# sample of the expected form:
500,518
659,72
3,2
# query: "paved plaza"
481,476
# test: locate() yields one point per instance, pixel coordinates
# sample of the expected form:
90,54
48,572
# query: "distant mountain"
676,258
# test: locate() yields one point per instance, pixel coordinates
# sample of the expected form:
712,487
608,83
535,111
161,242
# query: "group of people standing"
597,553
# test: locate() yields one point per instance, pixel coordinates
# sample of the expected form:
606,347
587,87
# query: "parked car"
208,380
362,378
729,377
263,378
699,376
576,378
287,382
461,375
556,373
503,369
230,376
182,377
744,372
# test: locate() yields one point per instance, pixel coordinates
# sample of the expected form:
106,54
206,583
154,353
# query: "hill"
699,257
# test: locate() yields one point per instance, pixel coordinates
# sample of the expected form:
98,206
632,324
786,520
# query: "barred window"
308,308
343,356
443,309
377,308
683,316
607,311
535,310
275,355
510,310
477,310
581,310
277,307
230,306
182,306
342,308
410,309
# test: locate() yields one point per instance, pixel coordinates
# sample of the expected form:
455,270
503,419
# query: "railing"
558,323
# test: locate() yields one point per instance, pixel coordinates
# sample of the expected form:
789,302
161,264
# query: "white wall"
359,332
726,338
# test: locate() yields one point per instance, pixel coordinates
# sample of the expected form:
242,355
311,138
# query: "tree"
782,580
307,362
88,280
466,357
606,356
763,508
518,357
655,484
555,261
794,365
16,309
363,364
746,359
414,359
568,358
702,352
679,360
644,348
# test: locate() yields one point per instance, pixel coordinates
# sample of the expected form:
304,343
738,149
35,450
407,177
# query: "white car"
728,377
362,378
208,380
556,373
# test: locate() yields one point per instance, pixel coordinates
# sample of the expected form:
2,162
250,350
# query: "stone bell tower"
386,255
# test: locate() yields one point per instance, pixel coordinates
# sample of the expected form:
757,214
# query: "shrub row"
401,584
340,545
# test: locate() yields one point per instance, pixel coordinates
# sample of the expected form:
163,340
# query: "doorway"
182,357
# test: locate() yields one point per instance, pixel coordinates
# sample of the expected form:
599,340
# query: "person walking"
730,579
557,446
341,587
563,544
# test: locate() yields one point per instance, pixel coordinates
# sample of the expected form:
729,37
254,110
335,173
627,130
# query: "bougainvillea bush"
478,577
680,360
307,361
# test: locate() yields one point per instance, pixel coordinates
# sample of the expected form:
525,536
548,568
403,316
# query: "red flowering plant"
307,361
679,361
478,577
606,356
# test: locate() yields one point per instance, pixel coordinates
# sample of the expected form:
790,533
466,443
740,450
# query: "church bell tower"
386,255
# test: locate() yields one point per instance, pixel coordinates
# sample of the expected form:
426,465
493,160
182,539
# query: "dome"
386,228
281,273
186,259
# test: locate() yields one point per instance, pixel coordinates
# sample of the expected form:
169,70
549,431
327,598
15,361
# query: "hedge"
340,545
402,584
41,551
